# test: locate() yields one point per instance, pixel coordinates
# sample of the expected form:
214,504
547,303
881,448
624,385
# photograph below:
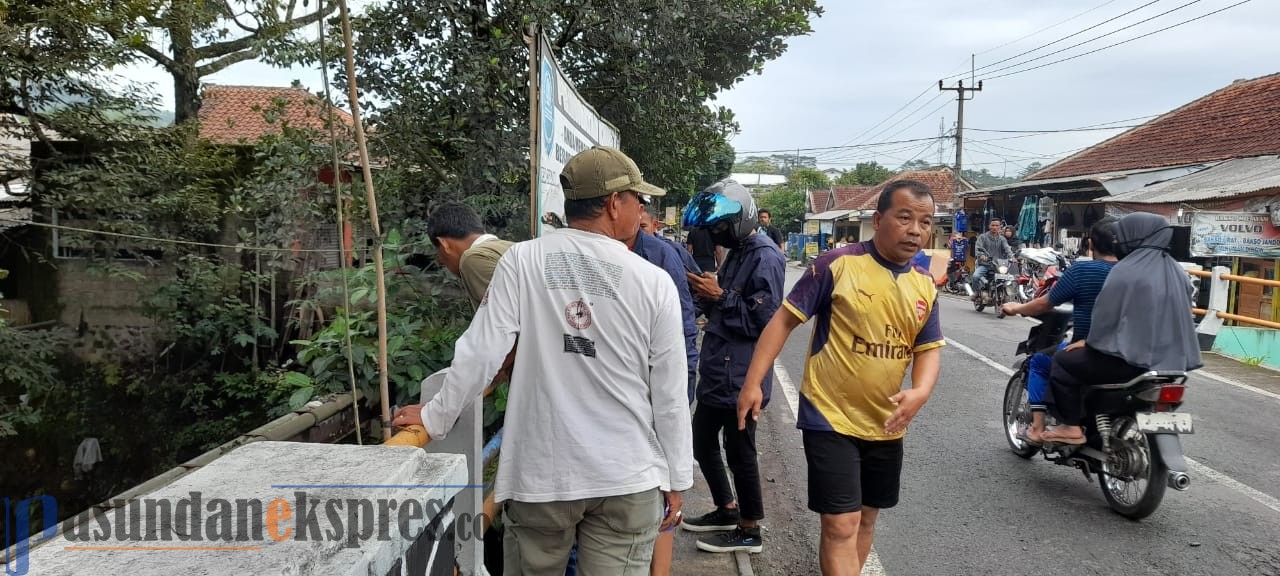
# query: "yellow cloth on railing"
410,436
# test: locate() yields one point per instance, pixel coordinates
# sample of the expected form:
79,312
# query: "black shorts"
847,473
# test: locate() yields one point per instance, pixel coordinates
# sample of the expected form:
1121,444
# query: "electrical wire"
782,150
1057,131
66,228
1059,61
1045,29
1069,36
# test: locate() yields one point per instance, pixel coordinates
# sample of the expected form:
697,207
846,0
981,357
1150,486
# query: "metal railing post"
1219,290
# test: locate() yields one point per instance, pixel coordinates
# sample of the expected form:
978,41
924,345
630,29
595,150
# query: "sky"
847,82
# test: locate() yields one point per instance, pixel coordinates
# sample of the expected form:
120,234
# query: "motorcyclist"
1140,323
988,246
959,246
1079,285
1015,248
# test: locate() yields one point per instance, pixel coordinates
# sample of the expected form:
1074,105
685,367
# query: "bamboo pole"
353,98
533,39
344,260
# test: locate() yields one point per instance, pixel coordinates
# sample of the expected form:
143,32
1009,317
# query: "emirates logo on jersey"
921,308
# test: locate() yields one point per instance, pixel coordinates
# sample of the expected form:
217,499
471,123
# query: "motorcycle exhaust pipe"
1179,481
968,290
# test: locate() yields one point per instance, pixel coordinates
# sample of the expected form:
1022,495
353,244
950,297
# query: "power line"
171,240
854,159
1072,35
1050,27
890,116
1188,21
872,144
1078,44
913,124
1081,129
909,115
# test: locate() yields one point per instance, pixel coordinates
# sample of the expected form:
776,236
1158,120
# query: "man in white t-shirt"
597,431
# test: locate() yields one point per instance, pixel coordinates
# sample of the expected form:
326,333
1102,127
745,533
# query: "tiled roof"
853,197
1238,121
234,114
818,200
941,182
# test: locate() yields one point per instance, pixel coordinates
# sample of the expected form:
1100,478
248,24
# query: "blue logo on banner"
17,531
548,83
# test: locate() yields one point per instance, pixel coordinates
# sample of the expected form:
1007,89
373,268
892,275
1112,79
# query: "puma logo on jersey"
869,296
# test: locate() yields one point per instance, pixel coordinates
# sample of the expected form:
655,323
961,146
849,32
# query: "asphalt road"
969,506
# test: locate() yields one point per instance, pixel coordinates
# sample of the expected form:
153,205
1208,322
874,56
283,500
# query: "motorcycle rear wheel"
1017,415
1135,455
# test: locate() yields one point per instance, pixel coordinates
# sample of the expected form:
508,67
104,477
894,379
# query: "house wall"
1249,344
106,300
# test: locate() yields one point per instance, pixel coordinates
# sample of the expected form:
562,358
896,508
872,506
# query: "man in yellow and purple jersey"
875,313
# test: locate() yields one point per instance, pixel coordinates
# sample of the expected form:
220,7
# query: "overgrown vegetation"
234,251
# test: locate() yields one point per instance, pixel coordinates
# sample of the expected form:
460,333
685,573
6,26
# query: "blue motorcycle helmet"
726,202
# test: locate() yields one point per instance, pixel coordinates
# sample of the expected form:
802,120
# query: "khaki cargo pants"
615,535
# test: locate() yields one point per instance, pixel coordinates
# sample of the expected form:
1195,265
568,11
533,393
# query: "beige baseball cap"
601,171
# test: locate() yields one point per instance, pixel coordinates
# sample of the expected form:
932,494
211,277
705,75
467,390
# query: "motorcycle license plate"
1004,276
1164,423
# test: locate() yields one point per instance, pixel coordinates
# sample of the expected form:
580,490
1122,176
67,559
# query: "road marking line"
788,388
873,566
978,355
1257,496
1198,468
1240,385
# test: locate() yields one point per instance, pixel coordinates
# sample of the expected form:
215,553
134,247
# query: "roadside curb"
743,560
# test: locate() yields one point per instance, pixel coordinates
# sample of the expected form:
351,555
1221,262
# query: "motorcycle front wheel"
1017,415
1134,476
1002,296
1024,293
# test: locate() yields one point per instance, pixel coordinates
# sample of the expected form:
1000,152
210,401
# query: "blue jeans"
979,276
1038,394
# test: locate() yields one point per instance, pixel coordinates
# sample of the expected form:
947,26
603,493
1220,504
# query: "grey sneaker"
719,520
740,540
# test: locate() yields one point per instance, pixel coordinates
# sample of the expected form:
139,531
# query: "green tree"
786,205
915,165
188,39
452,91
52,73
1031,168
805,179
984,178
865,174
757,165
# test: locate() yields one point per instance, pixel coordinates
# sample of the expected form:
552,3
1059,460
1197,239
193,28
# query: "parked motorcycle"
1038,264
957,278
996,288
1132,445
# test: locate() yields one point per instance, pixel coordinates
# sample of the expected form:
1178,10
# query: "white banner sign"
566,124
1243,234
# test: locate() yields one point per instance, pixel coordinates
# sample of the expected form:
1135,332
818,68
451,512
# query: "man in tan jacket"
464,248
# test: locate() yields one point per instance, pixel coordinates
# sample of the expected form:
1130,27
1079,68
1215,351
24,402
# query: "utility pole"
960,91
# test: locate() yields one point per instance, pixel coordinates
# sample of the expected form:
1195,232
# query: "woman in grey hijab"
1141,322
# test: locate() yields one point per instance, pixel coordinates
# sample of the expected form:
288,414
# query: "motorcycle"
957,278
996,288
1132,445
1038,264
